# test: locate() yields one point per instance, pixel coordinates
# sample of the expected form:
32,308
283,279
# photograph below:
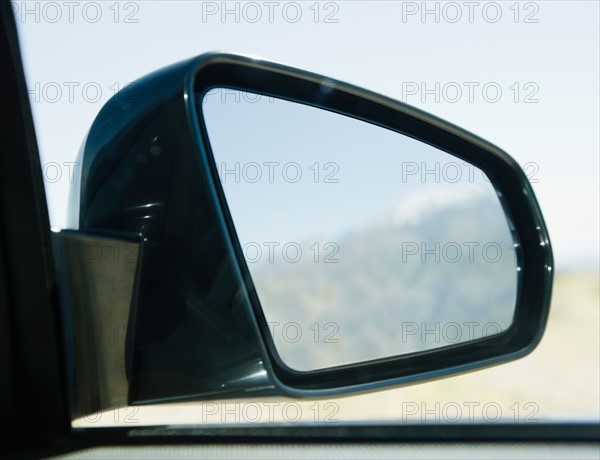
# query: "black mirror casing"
196,329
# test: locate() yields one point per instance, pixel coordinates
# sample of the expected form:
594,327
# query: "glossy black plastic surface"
193,334
199,331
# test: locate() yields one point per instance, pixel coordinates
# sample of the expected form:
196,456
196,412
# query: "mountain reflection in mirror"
362,243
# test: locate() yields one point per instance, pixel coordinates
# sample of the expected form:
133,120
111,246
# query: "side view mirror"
293,235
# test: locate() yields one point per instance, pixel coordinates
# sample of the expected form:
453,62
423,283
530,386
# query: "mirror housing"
195,329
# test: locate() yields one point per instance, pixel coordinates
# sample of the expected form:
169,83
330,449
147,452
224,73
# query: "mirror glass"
362,243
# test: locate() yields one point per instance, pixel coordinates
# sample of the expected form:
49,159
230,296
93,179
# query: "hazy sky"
291,172
524,76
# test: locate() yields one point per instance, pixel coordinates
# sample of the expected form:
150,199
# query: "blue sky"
292,172
529,87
